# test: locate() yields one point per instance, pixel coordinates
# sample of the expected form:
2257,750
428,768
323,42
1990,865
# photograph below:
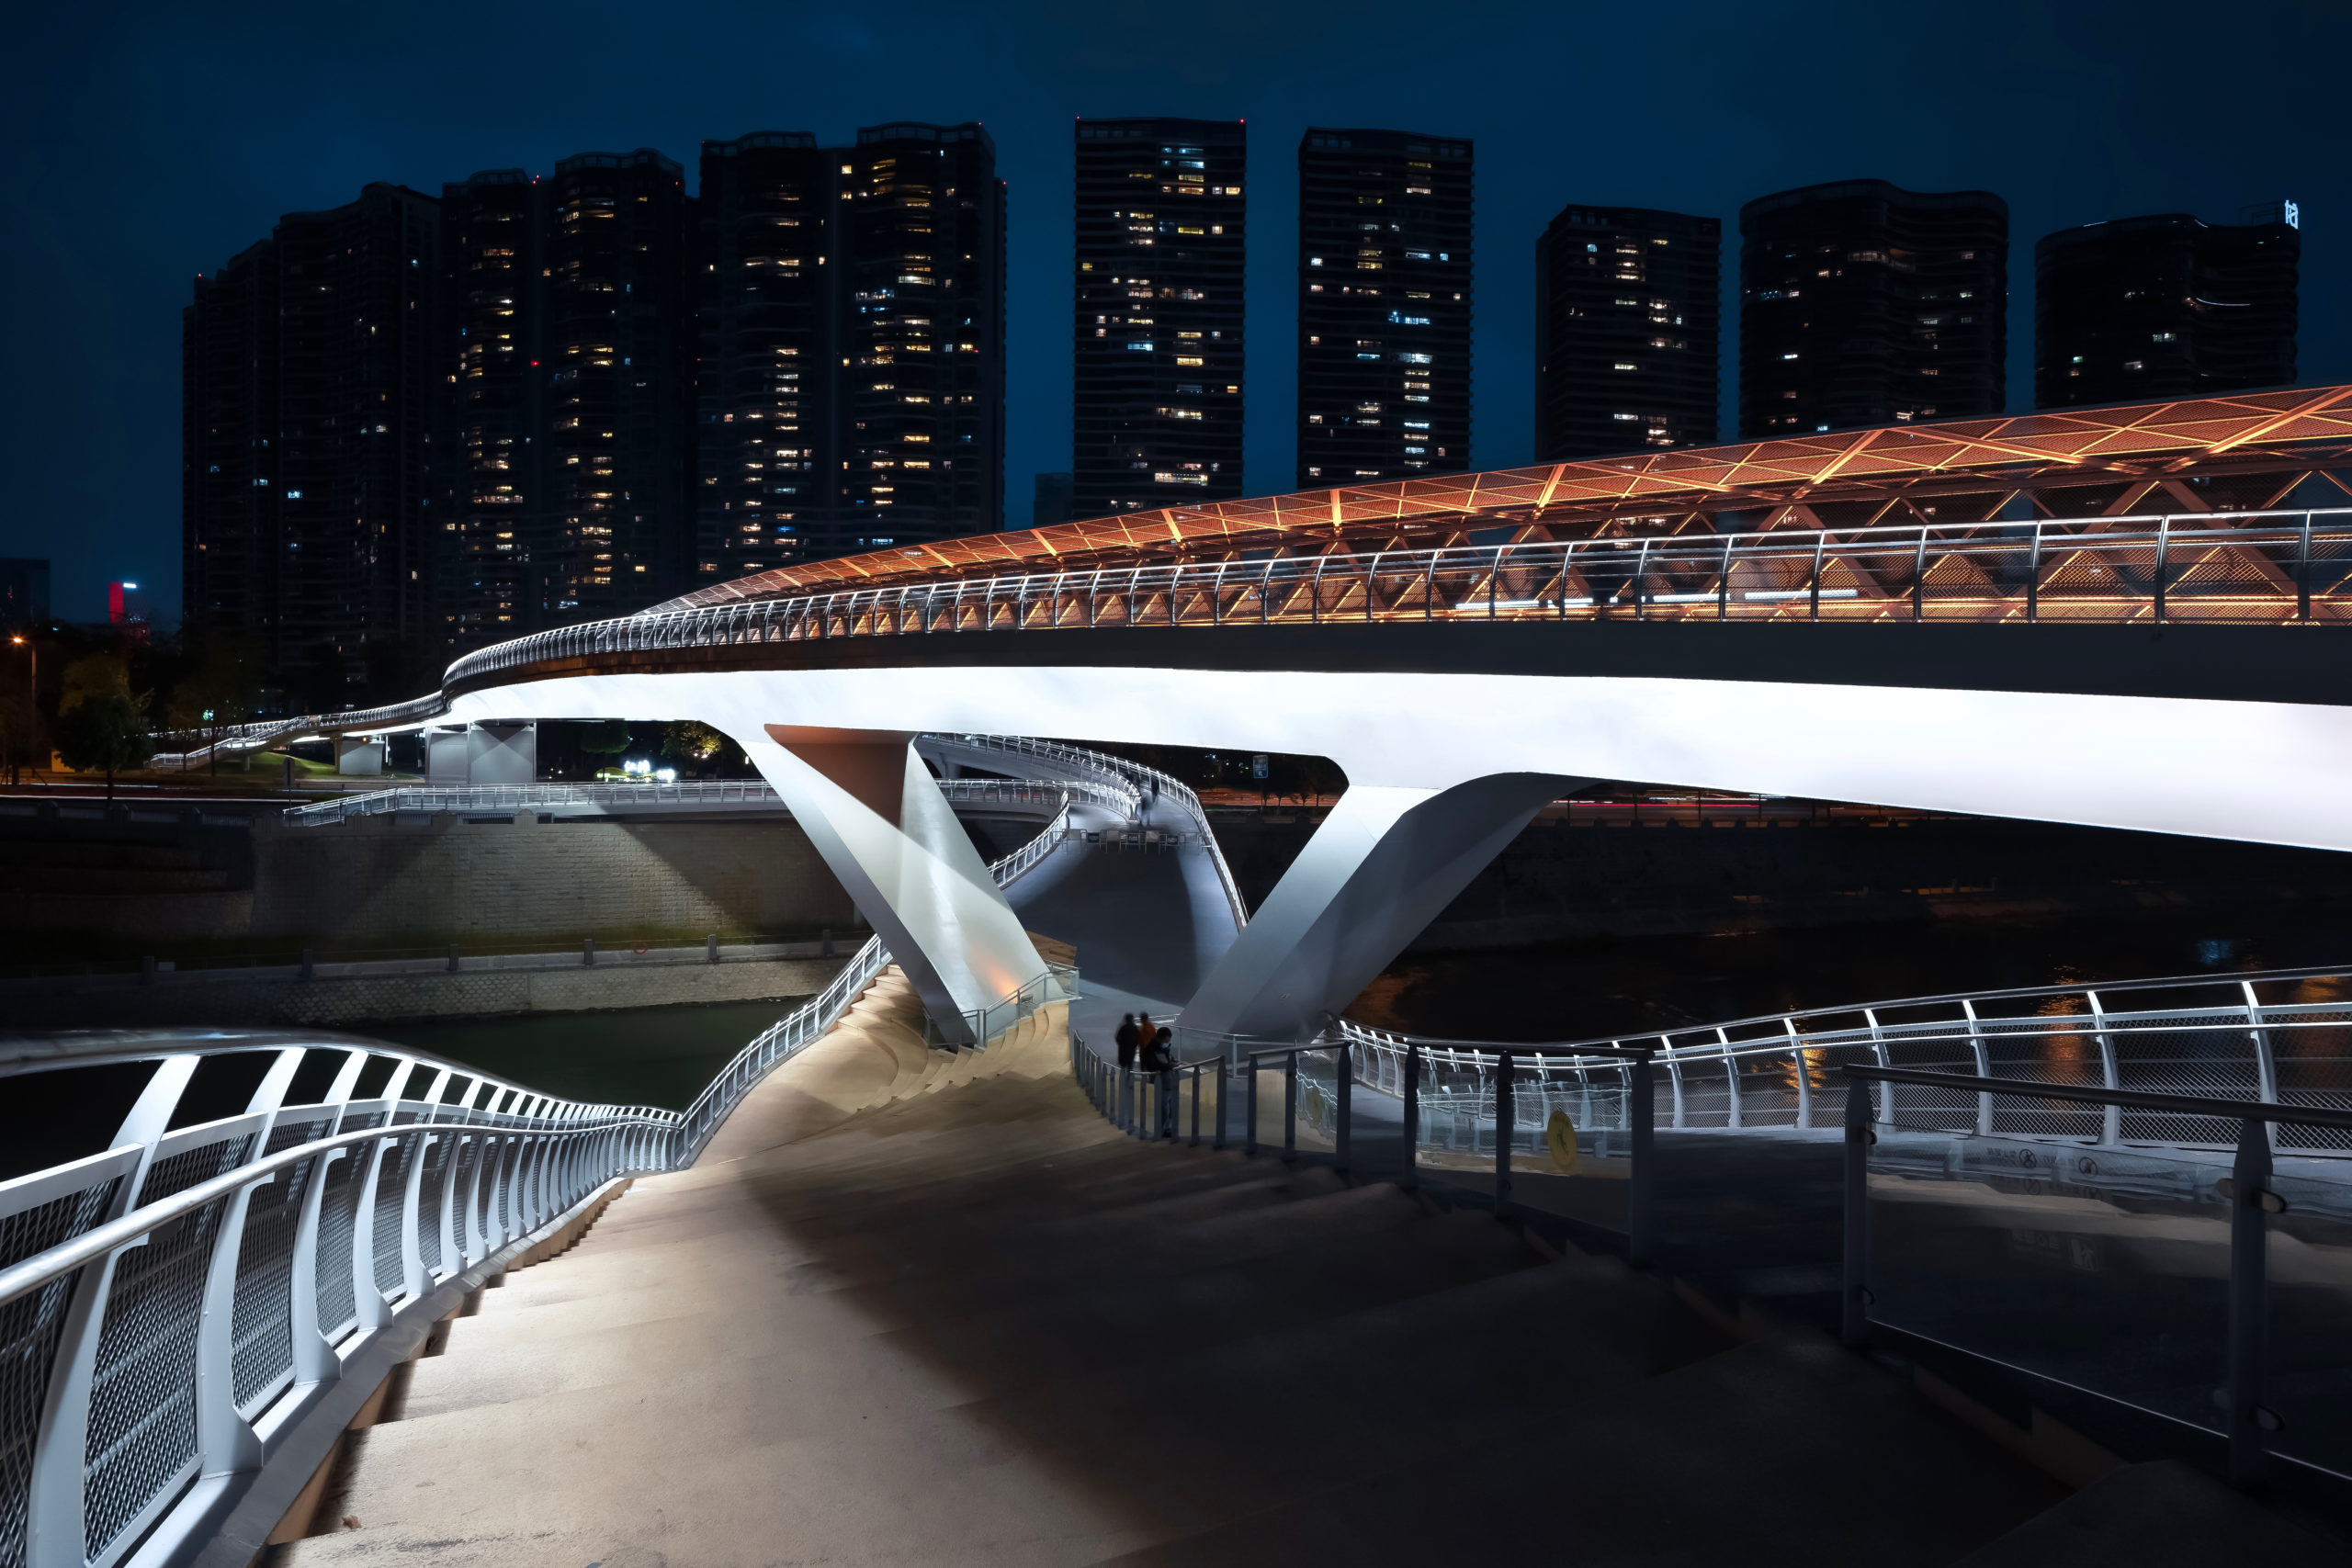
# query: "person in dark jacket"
1159,1058
1128,1037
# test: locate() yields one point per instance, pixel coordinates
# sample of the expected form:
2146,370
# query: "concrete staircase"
921,1308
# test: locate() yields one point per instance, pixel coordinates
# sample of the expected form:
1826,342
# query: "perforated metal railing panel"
262,1340
430,1188
338,1220
392,1197
29,1327
141,1442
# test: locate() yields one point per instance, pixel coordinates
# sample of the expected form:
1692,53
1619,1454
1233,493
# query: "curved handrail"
1766,1072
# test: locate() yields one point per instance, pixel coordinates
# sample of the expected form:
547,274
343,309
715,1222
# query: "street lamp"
32,693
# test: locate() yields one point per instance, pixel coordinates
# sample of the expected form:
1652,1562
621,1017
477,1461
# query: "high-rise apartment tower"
852,340
1384,306
1158,352
2164,307
1627,332
617,379
316,376
1862,303
491,239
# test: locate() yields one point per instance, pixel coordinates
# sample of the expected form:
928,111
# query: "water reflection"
1573,991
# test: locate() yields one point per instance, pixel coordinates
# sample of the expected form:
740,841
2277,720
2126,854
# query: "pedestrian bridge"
921,1222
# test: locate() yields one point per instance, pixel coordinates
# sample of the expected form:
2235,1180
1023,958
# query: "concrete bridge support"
874,812
1378,869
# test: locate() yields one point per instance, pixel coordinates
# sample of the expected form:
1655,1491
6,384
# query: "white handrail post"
1804,1072
2111,1132
224,1443
1984,1068
2265,1059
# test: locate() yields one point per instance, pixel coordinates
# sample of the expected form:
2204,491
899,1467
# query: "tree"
220,691
691,740
106,731
94,675
605,737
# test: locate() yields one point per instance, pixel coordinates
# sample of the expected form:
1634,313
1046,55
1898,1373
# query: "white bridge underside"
1443,768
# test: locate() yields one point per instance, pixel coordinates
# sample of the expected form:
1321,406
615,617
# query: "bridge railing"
2263,568
2146,1277
2280,1037
1129,780
159,1299
501,798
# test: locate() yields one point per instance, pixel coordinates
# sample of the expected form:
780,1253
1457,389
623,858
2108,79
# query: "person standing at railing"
1159,1060
1128,1037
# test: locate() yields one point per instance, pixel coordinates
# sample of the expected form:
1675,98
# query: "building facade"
1628,339
229,553
618,386
920,399
316,379
1158,352
1384,305
1862,303
493,242
852,343
2164,307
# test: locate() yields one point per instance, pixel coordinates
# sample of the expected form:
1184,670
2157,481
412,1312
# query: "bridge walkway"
967,1322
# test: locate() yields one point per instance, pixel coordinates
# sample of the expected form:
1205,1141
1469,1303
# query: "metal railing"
243,738
2251,568
2268,568
171,1307
507,798
2279,1036
1127,779
2008,1190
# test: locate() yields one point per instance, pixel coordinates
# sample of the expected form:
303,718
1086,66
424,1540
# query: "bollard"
309,963
2252,1202
1854,1327
1411,1178
1506,1118
1641,1201
147,970
1344,1112
710,947
453,958
825,942
588,951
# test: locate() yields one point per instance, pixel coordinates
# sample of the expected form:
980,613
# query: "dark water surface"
1580,991
632,1056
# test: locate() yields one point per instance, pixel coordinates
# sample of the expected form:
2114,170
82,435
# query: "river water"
660,1056
1581,991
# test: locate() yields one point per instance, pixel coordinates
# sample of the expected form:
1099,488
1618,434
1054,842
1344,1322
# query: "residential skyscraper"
315,372
619,385
1159,351
852,337
2164,307
1627,332
763,453
229,553
920,277
493,237
1384,306
1862,303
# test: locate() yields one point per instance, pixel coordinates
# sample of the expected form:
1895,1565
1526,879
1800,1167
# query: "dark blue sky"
148,142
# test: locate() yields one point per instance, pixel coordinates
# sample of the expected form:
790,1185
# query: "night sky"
150,142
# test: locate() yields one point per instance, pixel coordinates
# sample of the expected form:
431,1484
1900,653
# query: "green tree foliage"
604,737
103,729
691,740
94,675
221,690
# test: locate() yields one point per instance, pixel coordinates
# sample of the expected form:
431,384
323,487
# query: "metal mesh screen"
143,1396
29,1327
262,1359
430,1187
338,1217
392,1197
